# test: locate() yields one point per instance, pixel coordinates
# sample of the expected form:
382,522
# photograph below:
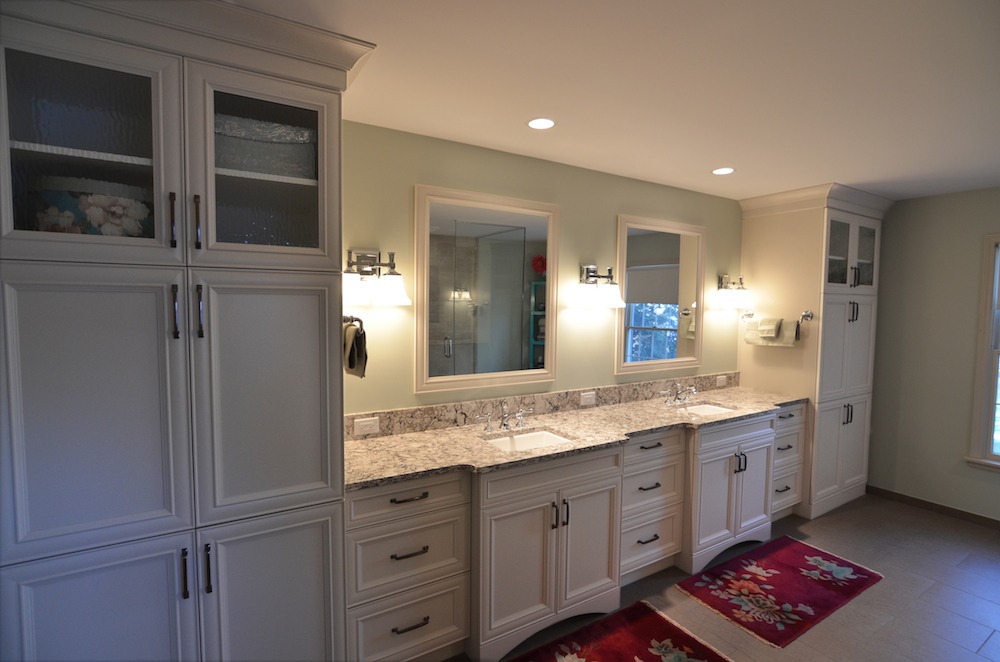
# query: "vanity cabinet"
817,249
789,448
407,566
653,488
548,538
730,489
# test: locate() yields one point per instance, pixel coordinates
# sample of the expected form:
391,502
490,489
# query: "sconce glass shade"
734,298
389,291
354,291
598,295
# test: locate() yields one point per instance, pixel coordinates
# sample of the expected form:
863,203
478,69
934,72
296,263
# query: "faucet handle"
520,416
488,415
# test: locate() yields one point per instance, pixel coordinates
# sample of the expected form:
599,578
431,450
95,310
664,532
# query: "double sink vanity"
463,539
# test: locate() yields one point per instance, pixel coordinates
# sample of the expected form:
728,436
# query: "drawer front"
405,499
409,625
790,416
787,447
395,556
657,486
647,448
715,436
547,475
650,538
786,489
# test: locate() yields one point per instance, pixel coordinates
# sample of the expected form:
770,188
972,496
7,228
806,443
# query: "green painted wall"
382,166
926,351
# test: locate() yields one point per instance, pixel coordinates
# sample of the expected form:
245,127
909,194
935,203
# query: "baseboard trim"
938,508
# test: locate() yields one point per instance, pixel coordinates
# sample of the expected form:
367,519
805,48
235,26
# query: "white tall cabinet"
817,249
170,448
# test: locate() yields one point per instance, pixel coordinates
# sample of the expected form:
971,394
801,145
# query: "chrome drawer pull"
656,536
419,497
427,619
653,487
400,557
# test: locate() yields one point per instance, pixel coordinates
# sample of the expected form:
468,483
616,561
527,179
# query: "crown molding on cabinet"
832,195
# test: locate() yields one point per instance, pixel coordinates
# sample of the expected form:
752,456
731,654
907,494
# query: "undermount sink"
527,440
706,409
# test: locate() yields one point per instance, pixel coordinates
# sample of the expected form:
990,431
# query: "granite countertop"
381,460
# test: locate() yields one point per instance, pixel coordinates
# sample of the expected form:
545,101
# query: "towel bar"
351,319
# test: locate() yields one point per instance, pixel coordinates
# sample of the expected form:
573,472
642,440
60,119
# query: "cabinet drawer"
651,537
545,476
379,504
394,556
790,416
652,447
657,486
786,489
788,447
715,436
409,625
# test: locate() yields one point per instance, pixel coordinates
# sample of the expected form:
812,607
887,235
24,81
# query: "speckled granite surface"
380,460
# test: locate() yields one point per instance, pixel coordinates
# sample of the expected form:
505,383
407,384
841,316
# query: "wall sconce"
368,285
461,295
734,296
595,294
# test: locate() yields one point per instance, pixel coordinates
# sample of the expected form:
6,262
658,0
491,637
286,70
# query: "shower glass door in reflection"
478,318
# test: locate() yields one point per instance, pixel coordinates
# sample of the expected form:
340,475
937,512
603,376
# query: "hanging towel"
355,352
689,334
786,337
769,327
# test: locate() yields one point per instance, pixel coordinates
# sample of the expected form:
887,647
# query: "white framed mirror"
486,301
661,267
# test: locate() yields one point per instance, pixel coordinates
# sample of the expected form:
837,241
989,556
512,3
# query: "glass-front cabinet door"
94,149
852,252
262,178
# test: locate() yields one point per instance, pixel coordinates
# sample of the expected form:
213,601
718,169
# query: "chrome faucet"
504,415
679,394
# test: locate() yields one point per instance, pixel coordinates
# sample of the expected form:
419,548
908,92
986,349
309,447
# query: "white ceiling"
896,97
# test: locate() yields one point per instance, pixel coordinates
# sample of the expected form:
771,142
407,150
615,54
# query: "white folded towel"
786,337
769,327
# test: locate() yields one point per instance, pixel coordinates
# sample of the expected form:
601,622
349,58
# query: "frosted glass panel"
266,172
840,236
866,255
81,147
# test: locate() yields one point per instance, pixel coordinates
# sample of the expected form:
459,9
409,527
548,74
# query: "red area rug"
780,589
637,633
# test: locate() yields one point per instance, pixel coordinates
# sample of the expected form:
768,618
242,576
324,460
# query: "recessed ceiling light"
541,123
724,171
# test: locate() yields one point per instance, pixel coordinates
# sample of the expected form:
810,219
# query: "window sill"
983,463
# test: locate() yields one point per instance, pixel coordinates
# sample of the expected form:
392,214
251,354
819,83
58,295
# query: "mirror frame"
625,222
424,196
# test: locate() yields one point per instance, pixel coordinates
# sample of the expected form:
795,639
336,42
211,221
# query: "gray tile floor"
939,599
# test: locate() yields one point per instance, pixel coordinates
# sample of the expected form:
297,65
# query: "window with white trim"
985,445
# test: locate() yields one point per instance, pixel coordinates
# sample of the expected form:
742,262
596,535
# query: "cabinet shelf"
80,153
281,179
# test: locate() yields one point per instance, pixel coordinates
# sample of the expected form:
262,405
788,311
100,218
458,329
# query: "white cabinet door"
754,485
267,357
590,532
847,346
263,171
852,253
123,603
840,447
271,587
92,149
517,557
95,438
714,498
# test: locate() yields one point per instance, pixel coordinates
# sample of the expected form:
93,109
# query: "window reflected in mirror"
663,269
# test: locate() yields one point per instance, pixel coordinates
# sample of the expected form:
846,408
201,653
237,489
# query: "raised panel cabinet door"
518,564
590,530
92,149
854,443
271,587
95,427
838,310
267,356
754,500
861,342
263,171
134,602
831,418
714,497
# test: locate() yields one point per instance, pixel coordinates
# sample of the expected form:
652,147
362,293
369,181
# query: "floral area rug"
637,633
780,589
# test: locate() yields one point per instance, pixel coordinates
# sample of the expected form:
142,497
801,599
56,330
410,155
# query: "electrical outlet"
588,399
721,380
365,426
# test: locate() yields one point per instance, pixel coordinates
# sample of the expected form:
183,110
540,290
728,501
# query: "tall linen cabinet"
171,456
817,249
